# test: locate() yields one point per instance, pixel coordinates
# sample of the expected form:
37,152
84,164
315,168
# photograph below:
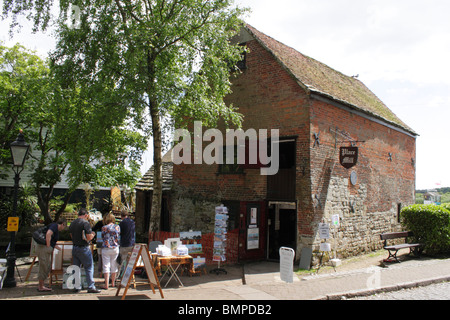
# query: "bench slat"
402,246
395,235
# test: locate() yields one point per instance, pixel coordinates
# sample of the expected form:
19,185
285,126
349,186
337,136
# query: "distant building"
432,197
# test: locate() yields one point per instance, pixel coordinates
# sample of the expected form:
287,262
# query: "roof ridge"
318,77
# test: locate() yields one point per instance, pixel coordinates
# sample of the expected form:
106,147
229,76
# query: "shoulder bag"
40,234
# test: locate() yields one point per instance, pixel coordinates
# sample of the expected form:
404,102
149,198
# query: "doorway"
281,186
282,228
252,231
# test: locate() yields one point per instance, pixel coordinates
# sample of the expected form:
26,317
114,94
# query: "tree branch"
124,16
194,28
148,6
130,11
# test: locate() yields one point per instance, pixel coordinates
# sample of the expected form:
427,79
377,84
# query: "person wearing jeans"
82,234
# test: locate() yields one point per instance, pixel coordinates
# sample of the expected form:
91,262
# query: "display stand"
139,251
189,239
218,270
325,247
60,259
335,223
321,262
2,271
220,236
2,276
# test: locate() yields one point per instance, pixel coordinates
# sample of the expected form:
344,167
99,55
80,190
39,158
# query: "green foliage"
71,130
445,197
419,198
26,206
23,85
444,192
164,59
440,190
430,225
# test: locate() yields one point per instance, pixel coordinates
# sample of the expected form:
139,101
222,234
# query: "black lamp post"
19,152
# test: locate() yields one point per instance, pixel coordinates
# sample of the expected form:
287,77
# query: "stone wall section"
358,231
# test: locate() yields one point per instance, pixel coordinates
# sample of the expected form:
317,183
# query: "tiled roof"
146,182
316,77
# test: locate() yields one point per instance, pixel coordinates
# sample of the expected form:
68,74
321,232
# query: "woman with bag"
110,248
44,251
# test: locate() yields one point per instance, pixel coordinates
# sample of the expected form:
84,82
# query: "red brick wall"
270,98
388,181
382,184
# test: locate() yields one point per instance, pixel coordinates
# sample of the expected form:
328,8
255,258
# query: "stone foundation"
359,230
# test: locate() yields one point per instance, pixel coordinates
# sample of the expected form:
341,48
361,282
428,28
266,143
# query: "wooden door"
252,231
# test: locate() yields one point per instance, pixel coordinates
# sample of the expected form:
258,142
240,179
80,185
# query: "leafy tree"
170,58
22,82
71,134
84,138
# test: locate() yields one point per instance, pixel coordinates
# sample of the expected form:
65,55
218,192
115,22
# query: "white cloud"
399,48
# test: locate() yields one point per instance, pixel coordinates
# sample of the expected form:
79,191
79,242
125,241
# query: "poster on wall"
252,238
335,220
253,216
324,231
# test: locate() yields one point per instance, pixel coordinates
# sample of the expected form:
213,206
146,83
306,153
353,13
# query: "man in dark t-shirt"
81,233
127,235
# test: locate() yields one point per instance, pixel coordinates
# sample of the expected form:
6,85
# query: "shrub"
430,225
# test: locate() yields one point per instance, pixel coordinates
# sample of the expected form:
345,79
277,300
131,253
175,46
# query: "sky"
400,50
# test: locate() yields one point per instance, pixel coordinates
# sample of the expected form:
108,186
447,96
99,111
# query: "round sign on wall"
353,177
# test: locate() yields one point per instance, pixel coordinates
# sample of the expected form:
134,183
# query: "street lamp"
19,152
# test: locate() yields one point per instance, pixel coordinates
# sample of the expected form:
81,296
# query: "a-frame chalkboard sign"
139,251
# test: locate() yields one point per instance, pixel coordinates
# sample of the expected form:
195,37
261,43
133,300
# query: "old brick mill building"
317,110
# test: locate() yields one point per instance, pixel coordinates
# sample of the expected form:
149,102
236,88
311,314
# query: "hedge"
430,225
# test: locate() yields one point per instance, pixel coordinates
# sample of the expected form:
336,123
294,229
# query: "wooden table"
173,263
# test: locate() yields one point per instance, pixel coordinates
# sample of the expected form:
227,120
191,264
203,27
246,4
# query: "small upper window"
241,64
230,167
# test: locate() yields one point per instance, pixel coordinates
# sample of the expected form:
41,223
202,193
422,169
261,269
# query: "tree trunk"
44,207
155,214
155,218
60,211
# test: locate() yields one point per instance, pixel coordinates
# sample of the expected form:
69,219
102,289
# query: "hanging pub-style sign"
348,156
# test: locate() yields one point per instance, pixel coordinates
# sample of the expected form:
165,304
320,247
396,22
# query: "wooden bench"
414,248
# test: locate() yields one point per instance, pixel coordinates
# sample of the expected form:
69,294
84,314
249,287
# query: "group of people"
82,234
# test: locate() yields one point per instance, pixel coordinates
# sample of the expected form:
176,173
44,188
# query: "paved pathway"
261,281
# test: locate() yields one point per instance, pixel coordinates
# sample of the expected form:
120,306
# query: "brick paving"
261,281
